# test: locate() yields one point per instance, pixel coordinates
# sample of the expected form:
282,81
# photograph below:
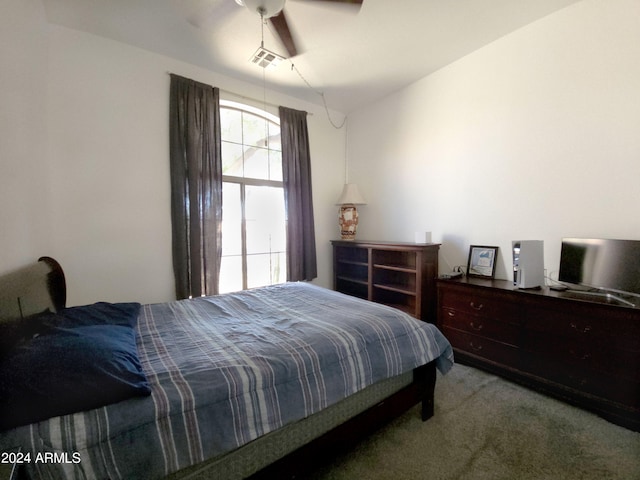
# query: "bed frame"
346,435
41,286
32,289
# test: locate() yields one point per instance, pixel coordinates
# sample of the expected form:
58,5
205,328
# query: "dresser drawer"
625,391
612,331
586,356
480,325
475,302
481,346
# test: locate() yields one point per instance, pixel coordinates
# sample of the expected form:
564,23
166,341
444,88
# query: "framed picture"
482,261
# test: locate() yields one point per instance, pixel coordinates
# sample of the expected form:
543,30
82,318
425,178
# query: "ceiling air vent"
266,58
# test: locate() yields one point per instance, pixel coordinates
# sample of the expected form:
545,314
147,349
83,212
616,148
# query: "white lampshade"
268,8
351,195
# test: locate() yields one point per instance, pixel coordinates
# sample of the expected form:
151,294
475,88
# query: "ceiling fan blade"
281,26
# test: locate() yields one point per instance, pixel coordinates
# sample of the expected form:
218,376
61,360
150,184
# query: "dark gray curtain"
196,186
296,167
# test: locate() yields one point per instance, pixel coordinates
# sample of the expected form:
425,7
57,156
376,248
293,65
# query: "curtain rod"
245,97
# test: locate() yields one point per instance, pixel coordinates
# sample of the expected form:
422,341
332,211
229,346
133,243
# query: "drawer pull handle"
477,328
477,348
476,307
451,314
581,329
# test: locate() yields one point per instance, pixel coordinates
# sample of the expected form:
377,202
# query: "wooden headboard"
32,289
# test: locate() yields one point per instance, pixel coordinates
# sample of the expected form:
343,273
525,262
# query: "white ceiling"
353,57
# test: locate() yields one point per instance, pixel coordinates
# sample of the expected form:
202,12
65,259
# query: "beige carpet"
488,428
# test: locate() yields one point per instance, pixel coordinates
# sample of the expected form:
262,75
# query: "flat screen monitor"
612,265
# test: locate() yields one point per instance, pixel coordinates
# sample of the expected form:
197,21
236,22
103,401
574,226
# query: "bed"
226,386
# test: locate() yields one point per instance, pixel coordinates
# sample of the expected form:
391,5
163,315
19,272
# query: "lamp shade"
351,195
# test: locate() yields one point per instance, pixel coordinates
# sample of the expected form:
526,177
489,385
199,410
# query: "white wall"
95,137
532,137
536,136
24,226
109,142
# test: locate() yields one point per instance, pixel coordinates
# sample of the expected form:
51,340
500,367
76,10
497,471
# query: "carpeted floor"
488,428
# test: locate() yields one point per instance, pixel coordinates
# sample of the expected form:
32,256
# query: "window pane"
264,210
231,220
275,166
254,130
274,137
231,125
265,269
254,219
230,274
258,270
232,159
278,267
256,163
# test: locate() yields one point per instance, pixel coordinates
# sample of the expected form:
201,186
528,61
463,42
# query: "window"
253,215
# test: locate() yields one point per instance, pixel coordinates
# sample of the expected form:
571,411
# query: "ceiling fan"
273,10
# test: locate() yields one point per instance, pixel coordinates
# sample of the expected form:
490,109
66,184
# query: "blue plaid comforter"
227,369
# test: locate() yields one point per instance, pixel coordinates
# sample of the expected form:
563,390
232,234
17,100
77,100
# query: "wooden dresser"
584,352
402,275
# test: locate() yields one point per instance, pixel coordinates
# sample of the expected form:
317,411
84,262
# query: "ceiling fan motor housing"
265,8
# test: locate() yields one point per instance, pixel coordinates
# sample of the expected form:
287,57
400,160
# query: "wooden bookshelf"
402,275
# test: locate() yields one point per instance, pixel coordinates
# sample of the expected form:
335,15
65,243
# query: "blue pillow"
100,313
18,331
74,366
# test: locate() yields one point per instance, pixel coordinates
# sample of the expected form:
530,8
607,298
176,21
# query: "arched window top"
251,142
248,108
